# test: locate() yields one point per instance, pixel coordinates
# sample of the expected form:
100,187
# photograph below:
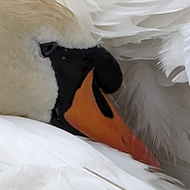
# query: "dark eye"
48,48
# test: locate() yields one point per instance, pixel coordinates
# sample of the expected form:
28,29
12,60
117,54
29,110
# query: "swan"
54,73
48,59
42,43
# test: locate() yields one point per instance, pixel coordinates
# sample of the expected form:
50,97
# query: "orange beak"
85,115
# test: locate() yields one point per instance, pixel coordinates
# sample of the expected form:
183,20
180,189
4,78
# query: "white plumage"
35,156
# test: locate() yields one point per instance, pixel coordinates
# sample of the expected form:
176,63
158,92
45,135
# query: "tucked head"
27,81
51,69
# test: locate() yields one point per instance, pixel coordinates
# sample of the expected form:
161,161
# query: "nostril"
88,61
87,65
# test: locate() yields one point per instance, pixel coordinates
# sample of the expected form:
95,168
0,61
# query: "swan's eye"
48,48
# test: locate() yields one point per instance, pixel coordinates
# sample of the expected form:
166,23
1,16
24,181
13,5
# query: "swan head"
51,69
27,80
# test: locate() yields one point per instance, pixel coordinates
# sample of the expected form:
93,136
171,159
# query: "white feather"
159,114
186,49
35,155
175,53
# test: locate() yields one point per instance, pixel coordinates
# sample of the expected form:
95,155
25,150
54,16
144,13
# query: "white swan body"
35,156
